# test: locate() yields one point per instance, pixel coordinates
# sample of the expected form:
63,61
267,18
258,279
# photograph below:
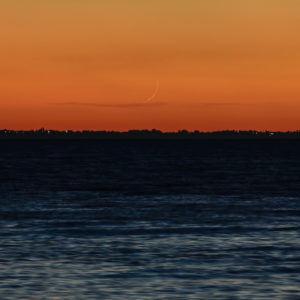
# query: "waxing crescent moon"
154,93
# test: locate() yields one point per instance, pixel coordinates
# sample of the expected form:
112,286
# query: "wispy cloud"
208,104
116,105
215,104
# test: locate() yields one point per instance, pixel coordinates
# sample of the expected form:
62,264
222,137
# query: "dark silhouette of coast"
45,134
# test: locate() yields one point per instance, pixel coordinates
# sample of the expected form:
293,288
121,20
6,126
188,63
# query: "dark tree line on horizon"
146,134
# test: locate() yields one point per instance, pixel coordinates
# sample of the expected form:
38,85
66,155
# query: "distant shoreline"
45,134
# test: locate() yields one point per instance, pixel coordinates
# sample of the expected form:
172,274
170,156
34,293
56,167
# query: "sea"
146,219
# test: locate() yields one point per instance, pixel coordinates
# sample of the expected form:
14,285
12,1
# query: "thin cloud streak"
117,105
208,104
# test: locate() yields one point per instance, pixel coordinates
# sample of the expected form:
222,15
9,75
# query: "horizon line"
43,129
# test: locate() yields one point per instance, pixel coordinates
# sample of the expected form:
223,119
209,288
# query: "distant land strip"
154,134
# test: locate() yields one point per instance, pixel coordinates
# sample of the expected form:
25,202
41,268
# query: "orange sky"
92,64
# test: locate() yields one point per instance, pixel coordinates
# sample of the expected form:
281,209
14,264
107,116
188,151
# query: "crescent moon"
154,93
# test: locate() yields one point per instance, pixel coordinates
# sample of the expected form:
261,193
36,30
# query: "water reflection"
167,228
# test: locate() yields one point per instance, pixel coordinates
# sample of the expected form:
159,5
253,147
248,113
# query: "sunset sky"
164,64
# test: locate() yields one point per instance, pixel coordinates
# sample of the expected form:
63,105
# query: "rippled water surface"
150,220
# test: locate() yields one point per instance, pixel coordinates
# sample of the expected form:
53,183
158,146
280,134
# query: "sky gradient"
119,65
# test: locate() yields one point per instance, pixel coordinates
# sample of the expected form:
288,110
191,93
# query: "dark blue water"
150,220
